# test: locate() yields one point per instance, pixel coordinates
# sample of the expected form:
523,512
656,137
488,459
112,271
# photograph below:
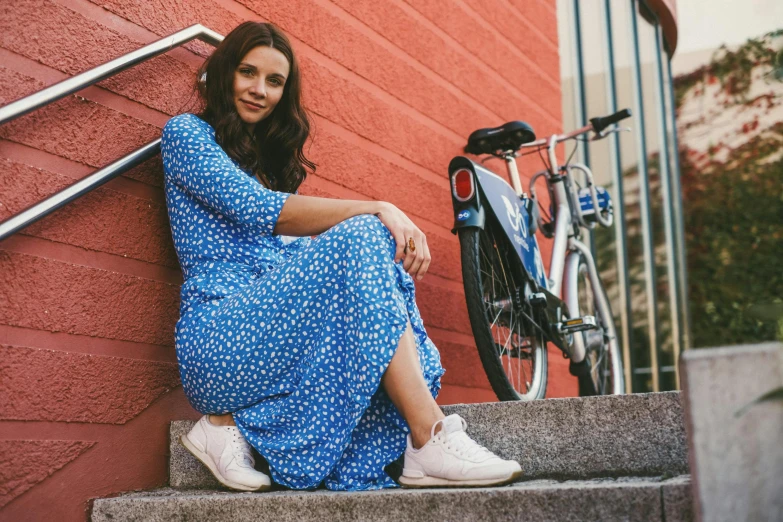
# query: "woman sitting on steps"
312,351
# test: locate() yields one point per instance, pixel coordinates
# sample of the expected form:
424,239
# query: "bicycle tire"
472,240
592,384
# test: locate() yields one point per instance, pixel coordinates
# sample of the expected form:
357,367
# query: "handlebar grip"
601,123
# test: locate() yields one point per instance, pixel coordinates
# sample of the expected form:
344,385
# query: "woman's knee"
366,224
365,231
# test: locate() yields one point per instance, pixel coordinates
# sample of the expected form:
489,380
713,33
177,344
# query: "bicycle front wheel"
511,349
601,345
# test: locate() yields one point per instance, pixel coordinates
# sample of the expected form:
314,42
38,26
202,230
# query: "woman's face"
258,83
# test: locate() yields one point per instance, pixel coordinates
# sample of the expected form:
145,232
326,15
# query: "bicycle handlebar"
599,124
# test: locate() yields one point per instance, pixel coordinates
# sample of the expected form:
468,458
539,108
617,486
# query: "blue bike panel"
586,201
511,213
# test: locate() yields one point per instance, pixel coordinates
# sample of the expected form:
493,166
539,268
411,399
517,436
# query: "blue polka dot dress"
292,335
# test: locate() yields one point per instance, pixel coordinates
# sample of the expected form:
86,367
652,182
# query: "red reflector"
463,185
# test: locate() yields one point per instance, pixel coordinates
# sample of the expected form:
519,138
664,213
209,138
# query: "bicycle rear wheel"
512,351
601,345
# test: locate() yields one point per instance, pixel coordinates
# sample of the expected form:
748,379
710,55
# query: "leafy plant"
733,199
732,68
774,395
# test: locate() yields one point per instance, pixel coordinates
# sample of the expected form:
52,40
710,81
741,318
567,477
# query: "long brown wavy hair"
273,150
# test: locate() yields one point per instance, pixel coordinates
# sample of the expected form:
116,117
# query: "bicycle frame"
567,249
565,241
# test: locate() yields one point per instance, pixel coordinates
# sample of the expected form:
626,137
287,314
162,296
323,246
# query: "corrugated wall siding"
89,296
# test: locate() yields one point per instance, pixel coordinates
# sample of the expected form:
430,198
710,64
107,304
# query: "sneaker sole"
435,482
207,461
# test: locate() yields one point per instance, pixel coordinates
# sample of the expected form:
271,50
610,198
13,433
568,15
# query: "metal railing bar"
649,371
76,83
96,179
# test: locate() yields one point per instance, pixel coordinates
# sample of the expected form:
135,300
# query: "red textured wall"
89,296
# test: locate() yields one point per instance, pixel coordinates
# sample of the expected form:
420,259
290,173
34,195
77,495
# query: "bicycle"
514,308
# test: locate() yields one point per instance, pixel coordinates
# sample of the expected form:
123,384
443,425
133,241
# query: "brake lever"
609,130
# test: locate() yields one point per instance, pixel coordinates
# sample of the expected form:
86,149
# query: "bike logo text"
515,217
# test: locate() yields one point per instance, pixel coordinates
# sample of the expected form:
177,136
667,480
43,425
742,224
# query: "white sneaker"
451,458
227,454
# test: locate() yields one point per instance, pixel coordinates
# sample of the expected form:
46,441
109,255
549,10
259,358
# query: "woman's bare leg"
405,386
222,420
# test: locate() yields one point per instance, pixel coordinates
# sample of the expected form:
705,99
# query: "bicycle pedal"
577,324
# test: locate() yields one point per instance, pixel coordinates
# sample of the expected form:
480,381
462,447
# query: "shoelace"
462,443
241,448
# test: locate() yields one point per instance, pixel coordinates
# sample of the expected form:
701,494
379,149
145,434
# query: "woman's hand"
417,261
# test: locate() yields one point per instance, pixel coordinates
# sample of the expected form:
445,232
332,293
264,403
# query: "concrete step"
627,499
563,439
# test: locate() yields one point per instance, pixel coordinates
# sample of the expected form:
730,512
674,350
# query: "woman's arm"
305,216
193,161
308,216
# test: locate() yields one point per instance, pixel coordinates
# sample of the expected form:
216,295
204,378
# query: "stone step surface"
628,499
563,439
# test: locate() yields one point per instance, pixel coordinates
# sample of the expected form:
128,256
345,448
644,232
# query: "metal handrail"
76,83
61,89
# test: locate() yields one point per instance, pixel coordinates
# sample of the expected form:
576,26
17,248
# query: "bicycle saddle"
509,136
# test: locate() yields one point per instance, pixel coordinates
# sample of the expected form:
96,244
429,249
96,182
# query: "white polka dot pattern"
292,337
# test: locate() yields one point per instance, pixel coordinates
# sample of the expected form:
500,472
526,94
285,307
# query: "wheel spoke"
509,343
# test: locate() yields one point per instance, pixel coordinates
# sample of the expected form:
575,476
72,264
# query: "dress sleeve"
194,161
